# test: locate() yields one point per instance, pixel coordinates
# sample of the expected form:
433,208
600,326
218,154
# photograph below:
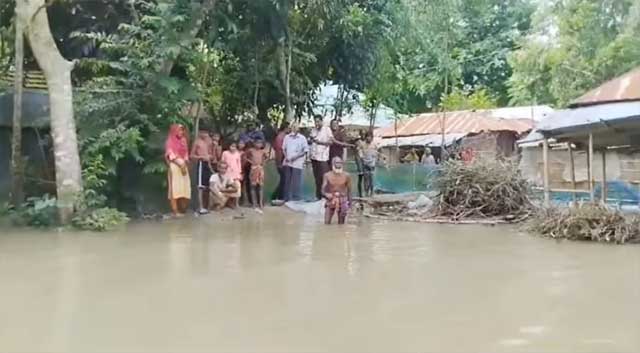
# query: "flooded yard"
285,282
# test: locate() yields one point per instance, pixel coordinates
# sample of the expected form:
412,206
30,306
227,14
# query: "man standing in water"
336,188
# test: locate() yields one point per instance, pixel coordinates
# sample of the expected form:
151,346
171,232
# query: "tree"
592,41
57,71
464,100
17,168
7,33
447,44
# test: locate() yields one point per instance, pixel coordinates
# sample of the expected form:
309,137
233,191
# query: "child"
233,160
216,150
201,153
256,156
225,192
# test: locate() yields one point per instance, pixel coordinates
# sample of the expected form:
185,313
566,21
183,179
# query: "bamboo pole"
604,176
573,174
590,168
17,165
569,191
545,159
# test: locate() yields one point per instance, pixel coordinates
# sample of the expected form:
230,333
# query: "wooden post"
590,168
573,174
604,176
545,160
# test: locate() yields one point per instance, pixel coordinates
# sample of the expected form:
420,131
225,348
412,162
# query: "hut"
595,143
490,133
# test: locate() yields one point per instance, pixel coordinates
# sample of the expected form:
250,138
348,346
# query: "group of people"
224,177
426,159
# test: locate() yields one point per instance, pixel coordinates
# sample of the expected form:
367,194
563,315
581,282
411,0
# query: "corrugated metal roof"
466,122
585,117
622,88
421,140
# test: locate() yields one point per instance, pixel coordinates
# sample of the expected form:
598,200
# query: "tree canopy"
575,45
142,64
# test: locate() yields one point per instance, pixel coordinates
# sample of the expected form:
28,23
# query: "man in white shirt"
294,149
321,139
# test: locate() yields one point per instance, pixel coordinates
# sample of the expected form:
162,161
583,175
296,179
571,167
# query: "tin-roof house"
603,126
488,132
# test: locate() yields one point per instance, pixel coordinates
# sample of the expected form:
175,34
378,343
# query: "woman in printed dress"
176,155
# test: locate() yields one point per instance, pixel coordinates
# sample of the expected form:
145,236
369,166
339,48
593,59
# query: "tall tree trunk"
57,71
256,88
284,69
372,116
17,168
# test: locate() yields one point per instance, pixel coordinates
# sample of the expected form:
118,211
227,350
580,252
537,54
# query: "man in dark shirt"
340,137
252,134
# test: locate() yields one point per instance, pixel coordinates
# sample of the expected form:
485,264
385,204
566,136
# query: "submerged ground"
284,282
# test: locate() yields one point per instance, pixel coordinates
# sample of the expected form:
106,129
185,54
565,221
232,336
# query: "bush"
586,222
5,209
37,212
100,220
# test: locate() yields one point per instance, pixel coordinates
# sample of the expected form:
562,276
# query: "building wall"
491,144
621,166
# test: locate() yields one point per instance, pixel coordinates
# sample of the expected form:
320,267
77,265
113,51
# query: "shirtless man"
201,153
256,156
336,188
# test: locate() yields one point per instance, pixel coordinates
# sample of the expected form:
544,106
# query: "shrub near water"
36,212
483,188
100,219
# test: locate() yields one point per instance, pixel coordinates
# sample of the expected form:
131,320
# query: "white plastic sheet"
312,208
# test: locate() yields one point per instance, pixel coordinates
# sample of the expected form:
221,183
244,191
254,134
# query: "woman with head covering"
176,154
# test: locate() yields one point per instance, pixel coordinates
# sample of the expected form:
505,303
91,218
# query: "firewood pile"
588,222
482,189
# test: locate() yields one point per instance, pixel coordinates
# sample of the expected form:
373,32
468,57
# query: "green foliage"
463,100
91,213
36,212
447,44
594,41
5,209
101,219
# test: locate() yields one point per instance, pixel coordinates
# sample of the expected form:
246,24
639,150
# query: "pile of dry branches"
586,222
482,189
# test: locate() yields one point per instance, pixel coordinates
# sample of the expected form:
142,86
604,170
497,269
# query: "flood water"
284,282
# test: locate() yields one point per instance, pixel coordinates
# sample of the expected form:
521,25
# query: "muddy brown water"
284,282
